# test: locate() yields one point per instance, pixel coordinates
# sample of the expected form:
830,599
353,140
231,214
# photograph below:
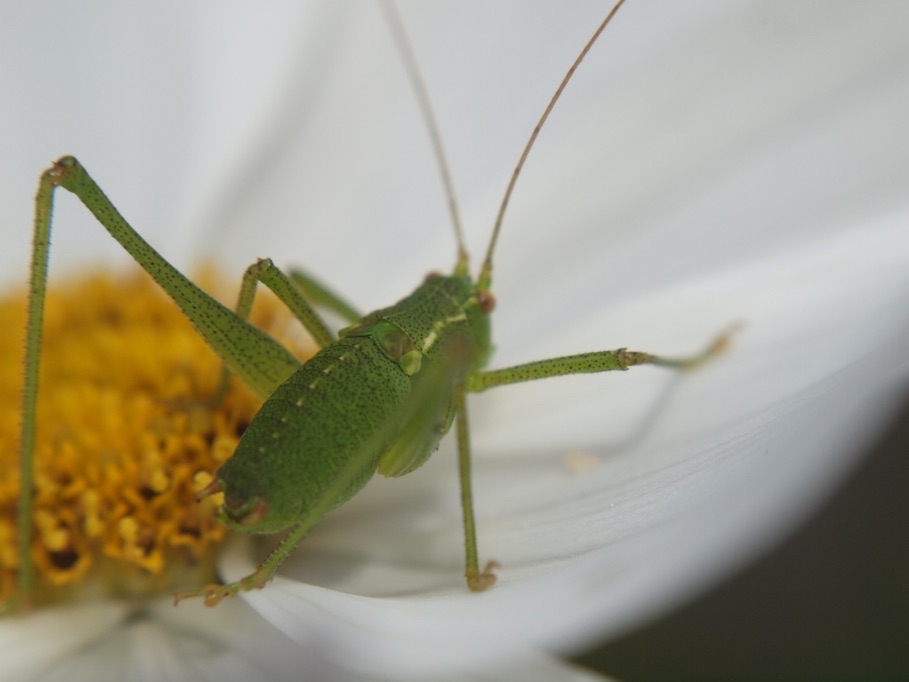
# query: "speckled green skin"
352,409
378,399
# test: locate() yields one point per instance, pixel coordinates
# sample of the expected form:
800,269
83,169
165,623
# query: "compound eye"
486,301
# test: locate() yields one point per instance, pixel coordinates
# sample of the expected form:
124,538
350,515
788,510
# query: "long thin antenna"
399,33
486,272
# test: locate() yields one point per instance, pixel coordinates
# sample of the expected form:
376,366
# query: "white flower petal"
347,636
741,161
711,482
37,643
112,640
148,97
767,193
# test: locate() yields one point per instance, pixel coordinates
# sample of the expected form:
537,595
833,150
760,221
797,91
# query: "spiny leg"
476,581
585,363
255,357
602,361
260,361
296,291
265,271
213,593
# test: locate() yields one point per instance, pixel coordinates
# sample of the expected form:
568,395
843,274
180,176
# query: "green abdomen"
317,439
379,398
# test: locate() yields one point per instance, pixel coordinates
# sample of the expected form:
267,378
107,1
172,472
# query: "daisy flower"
725,162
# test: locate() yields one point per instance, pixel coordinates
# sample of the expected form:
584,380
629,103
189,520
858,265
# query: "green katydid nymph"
376,398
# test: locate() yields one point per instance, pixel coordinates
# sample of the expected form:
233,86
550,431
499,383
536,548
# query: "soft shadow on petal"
111,640
346,636
35,644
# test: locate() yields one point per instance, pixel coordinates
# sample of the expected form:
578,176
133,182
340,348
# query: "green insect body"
377,397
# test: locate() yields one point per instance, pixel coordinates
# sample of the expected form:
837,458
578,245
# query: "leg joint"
622,359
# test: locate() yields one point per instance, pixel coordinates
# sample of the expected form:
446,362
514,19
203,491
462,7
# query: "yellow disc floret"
127,434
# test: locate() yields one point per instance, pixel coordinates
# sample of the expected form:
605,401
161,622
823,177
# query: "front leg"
213,593
586,363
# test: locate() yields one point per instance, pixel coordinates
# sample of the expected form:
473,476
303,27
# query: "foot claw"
211,594
478,582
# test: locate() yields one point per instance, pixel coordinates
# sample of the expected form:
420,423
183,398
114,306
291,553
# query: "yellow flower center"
126,435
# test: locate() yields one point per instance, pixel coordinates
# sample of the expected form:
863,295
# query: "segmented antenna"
486,271
399,33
